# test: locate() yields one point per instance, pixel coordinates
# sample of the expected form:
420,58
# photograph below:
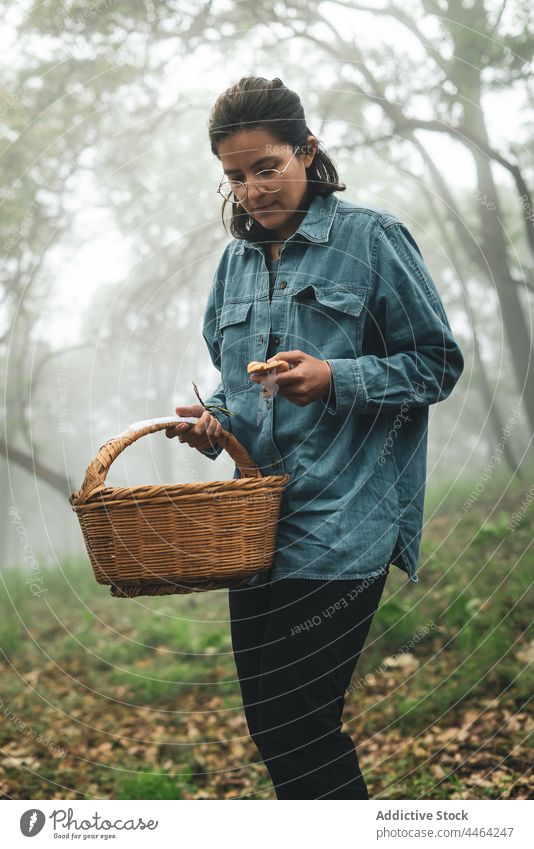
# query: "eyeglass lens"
268,180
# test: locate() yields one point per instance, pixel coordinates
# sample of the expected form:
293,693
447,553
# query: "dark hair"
257,102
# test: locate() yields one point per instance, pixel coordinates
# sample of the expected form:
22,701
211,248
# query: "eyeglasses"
269,180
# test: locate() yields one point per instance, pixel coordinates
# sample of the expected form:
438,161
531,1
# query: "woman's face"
246,153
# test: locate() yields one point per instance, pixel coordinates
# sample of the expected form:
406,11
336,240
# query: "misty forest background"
110,232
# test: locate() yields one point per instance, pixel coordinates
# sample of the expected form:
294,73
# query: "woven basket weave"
177,538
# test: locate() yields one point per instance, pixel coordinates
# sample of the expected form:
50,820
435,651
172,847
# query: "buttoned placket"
272,322
275,312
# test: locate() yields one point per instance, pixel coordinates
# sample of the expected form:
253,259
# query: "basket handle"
95,476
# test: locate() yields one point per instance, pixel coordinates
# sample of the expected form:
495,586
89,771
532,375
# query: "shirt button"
283,284
275,465
261,339
276,340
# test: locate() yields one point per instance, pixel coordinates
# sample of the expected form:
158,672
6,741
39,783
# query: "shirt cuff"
347,389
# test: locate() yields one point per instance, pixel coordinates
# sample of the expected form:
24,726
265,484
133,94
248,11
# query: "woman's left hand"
308,379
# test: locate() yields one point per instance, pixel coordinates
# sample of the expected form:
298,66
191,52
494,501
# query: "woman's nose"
255,196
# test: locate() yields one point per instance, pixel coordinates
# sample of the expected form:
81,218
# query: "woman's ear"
311,148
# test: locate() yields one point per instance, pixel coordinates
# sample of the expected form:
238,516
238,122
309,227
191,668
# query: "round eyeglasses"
269,180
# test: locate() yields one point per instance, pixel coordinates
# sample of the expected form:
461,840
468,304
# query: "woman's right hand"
203,434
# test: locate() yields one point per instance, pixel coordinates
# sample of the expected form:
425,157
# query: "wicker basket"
182,537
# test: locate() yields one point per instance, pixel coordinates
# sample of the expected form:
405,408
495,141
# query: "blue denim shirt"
352,288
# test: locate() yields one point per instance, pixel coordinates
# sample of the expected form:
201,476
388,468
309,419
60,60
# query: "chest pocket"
328,322
235,339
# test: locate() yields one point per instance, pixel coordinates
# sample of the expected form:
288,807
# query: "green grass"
149,785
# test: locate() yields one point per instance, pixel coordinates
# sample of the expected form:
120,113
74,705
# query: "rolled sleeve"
421,360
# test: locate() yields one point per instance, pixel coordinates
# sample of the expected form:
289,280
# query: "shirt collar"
315,225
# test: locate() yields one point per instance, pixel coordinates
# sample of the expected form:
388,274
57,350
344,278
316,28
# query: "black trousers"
296,644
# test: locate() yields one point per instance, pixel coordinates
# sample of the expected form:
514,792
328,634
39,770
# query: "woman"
340,292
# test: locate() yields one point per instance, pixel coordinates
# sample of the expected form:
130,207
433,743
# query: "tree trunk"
495,255
488,395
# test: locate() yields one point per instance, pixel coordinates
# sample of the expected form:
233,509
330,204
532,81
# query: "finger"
190,410
204,422
294,357
192,430
214,429
196,436
177,429
182,427
212,426
287,378
218,429
186,435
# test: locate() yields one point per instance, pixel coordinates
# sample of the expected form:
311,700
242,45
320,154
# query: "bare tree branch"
37,469
499,16
403,18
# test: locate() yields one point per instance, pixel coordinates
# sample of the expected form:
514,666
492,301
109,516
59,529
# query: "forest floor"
106,698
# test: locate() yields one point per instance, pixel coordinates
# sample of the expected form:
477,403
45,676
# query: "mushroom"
266,373
256,367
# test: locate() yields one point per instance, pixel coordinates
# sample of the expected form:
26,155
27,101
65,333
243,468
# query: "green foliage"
148,785
398,620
